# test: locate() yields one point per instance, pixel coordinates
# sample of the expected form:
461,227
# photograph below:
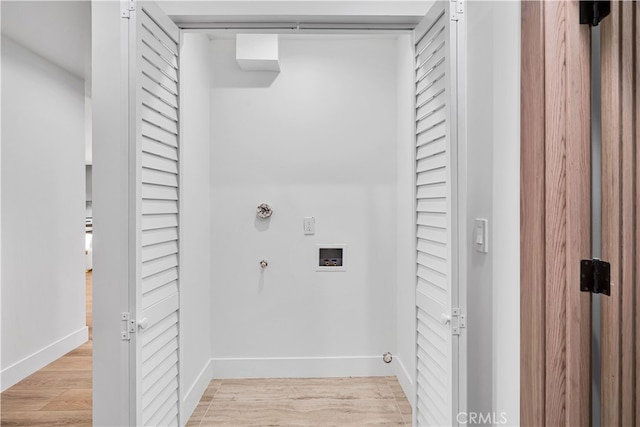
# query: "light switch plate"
481,235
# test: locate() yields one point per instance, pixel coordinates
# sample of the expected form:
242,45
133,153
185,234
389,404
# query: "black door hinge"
592,12
595,276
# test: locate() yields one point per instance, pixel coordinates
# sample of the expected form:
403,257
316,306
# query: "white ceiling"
59,31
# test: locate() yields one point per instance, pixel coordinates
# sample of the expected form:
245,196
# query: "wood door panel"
620,215
555,221
532,208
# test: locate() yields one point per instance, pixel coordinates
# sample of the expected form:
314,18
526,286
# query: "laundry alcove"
331,135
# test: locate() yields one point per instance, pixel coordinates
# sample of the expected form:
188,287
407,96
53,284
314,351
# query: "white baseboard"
20,370
406,381
197,389
300,367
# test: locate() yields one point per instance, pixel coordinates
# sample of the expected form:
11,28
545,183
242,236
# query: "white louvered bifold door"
436,205
154,141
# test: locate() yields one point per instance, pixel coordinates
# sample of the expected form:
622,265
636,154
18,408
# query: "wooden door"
555,215
620,368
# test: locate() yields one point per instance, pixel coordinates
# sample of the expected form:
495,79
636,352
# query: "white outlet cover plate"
309,225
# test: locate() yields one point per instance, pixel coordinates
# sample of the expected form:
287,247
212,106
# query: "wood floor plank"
53,379
367,401
199,412
47,418
75,363
272,390
85,350
312,412
27,399
71,400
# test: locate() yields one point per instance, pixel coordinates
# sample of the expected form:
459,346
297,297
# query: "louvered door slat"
432,176
435,43
158,119
167,35
431,147
430,90
159,192
433,292
426,364
150,222
159,163
163,399
432,262
152,86
151,236
436,281
155,266
432,104
432,277
166,352
432,248
159,61
154,56
159,148
432,219
436,131
432,191
157,207
159,250
159,78
154,102
158,380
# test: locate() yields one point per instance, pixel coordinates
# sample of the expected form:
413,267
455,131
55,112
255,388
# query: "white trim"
20,370
194,394
405,380
301,367
462,210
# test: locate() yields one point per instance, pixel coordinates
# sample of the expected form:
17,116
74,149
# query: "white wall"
406,214
111,405
506,210
318,139
492,155
43,179
195,216
478,158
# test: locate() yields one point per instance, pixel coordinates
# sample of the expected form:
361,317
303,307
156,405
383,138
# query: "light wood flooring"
58,394
370,401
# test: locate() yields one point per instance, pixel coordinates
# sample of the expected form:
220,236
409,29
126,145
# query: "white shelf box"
257,52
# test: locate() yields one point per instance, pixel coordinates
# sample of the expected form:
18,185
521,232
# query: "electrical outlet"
309,225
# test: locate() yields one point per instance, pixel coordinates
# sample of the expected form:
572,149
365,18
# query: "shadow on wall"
262,224
228,74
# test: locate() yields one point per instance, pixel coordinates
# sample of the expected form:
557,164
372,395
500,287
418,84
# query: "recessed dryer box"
331,257
257,52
